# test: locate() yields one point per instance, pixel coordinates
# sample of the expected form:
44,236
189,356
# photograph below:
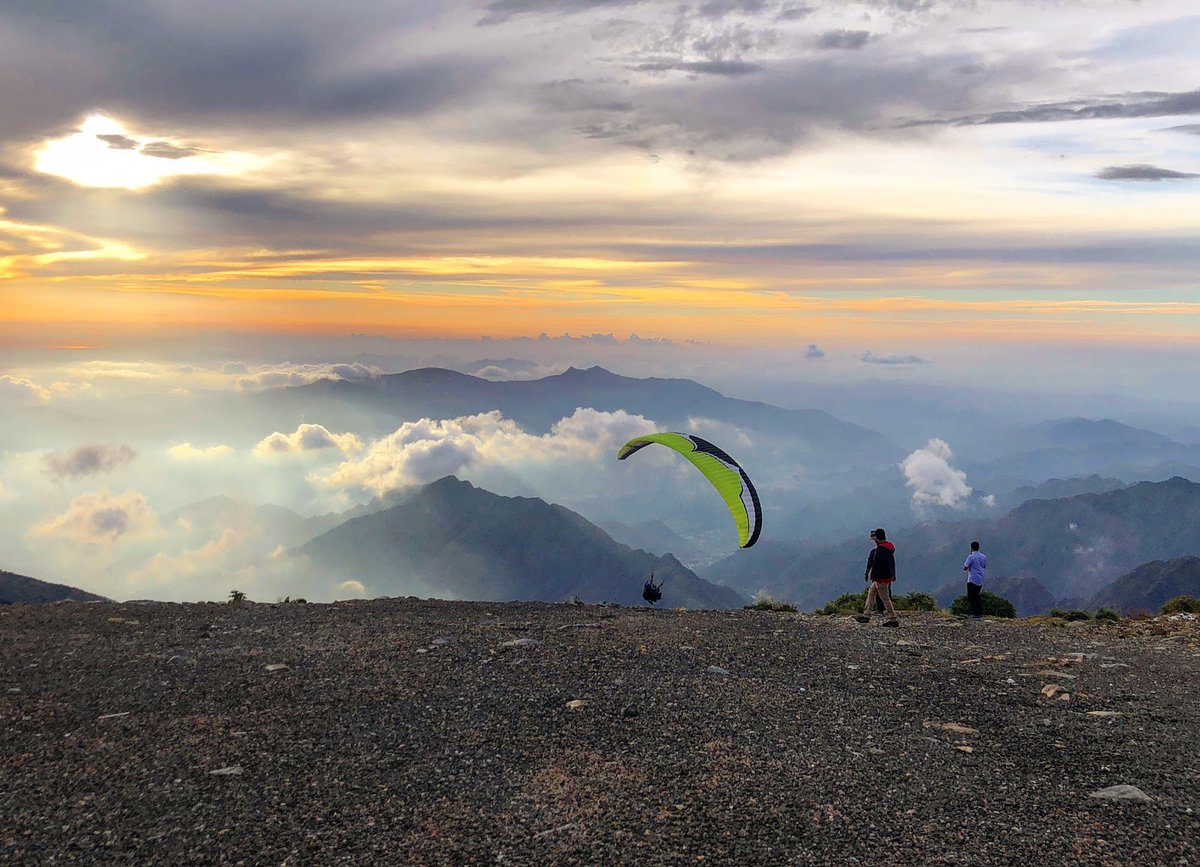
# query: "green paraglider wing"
720,469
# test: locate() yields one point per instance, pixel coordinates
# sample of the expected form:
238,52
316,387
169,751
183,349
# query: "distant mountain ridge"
16,589
1083,446
453,540
536,404
1060,489
1150,585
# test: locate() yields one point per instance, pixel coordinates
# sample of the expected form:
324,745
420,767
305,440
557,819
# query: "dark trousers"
973,591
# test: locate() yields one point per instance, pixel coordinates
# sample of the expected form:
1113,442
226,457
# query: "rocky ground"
420,732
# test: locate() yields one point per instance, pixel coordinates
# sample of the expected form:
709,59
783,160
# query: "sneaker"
892,623
862,618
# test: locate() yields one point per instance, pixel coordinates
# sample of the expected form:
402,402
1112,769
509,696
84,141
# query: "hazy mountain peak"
1078,429
596,373
433,375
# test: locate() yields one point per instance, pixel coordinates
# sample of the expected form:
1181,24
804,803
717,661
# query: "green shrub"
236,596
1073,614
847,603
992,605
1107,614
915,601
764,601
853,603
1182,605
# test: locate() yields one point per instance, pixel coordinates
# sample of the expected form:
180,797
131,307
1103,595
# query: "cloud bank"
426,450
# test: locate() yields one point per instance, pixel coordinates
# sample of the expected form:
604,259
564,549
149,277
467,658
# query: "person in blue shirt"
976,569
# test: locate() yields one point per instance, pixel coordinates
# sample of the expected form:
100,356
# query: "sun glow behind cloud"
103,153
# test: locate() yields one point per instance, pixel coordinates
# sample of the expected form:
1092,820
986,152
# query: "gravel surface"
422,732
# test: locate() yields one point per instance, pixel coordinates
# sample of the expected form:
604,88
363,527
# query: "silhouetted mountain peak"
22,588
452,539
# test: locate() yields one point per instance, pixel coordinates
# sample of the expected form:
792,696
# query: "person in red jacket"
883,573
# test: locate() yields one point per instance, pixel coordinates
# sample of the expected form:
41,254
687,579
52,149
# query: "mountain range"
537,404
1073,547
453,540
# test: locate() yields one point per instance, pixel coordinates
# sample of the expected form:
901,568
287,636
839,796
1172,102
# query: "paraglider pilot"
652,592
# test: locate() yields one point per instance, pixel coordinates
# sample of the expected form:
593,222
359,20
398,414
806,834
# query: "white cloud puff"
933,480
351,588
189,452
423,451
308,438
99,518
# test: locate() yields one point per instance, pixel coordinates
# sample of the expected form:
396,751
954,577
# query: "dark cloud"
578,95
721,8
1190,128
87,461
1142,172
892,360
1132,249
162,149
499,11
850,40
119,142
905,6
167,151
1103,108
795,13
278,61
703,67
814,351
778,108
111,521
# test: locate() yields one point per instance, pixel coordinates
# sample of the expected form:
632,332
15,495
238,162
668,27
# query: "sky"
777,198
884,176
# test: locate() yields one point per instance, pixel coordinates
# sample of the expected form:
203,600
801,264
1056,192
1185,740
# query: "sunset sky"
893,175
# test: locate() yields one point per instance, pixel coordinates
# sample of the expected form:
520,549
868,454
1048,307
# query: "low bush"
1182,605
1073,614
853,603
236,596
847,603
992,605
915,601
1107,614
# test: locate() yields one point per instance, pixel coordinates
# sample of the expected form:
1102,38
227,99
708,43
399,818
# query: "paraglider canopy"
722,471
